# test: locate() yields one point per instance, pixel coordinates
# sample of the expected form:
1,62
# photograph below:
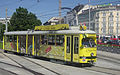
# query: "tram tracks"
43,66
103,70
33,63
110,70
110,59
23,67
8,72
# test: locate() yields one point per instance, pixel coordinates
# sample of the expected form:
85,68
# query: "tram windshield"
88,42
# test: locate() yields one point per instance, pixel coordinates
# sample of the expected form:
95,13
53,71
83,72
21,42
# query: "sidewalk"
109,54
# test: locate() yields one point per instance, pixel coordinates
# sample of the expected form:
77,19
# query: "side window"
68,44
12,38
22,43
60,40
76,45
11,42
37,42
51,40
44,39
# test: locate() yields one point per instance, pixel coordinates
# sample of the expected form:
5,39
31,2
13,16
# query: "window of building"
117,14
104,14
117,27
110,18
97,28
60,40
97,15
117,18
104,19
104,28
111,24
104,24
111,30
111,14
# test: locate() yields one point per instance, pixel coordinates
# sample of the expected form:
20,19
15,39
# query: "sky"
44,9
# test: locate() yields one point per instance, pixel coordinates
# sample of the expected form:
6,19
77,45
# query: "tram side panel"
51,46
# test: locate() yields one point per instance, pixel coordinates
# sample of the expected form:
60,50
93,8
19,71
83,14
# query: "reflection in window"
60,40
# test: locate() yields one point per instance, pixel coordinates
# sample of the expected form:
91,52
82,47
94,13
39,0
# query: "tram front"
88,48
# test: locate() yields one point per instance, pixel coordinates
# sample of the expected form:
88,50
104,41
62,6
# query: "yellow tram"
68,44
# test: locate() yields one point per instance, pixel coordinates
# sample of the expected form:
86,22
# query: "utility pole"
6,21
60,11
89,14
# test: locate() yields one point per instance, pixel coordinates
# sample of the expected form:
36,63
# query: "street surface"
10,64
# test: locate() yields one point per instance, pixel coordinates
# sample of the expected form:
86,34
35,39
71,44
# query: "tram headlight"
92,54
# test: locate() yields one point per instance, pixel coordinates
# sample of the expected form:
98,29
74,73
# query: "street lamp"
89,14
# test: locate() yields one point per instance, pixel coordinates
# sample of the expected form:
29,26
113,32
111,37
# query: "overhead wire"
50,12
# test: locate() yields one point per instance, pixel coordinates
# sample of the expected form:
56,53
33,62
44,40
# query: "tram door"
72,48
68,48
75,48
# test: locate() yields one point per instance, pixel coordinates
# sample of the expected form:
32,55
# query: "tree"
22,20
2,29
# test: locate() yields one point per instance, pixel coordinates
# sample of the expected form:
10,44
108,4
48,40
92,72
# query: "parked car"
116,42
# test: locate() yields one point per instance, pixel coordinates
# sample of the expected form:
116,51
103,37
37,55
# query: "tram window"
68,44
37,42
88,42
76,42
44,39
11,42
12,38
51,40
15,38
8,38
22,43
60,40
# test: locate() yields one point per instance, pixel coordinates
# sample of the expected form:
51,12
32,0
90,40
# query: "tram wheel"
5,51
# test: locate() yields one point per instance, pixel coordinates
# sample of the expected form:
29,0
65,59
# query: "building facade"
3,20
71,17
104,20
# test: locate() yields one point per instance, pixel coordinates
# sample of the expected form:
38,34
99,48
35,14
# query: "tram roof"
49,32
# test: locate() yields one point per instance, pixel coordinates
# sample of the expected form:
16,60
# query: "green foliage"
2,29
1,45
22,20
